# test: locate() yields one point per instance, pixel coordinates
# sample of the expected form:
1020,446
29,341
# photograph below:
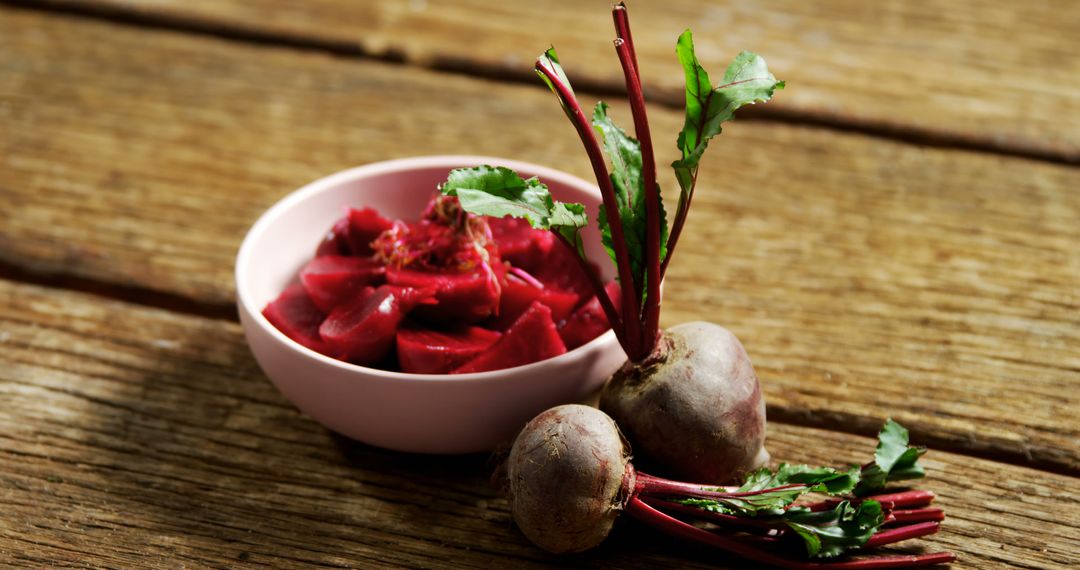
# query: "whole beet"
568,478
694,408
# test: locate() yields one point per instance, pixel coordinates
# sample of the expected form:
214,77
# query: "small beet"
531,338
333,279
568,471
294,314
363,329
426,351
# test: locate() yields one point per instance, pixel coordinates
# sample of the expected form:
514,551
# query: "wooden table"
897,234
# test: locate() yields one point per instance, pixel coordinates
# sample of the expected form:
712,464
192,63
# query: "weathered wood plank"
984,72
135,437
867,278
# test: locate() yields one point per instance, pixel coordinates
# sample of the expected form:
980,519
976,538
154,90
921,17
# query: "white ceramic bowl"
423,413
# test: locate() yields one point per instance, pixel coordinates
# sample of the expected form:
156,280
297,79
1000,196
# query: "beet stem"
889,501
650,485
902,533
914,498
622,29
673,526
625,48
607,191
917,515
712,516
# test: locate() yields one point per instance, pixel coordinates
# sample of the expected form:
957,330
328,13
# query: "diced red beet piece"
561,270
336,241
516,298
589,320
333,279
518,295
363,329
427,351
561,303
519,243
467,297
294,314
533,337
365,224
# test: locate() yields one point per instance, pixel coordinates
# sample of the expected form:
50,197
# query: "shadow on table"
204,461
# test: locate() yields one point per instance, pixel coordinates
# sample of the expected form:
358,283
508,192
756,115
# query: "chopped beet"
426,351
468,297
589,321
561,303
471,270
294,314
519,243
561,269
362,330
517,295
333,279
365,224
516,298
336,241
533,337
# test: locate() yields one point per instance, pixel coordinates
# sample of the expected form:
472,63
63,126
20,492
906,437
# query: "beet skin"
569,478
693,409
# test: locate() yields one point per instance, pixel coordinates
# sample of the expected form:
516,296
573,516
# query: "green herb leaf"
624,152
894,460
498,192
747,80
829,533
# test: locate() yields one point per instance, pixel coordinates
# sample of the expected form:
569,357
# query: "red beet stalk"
624,46
751,550
631,337
653,500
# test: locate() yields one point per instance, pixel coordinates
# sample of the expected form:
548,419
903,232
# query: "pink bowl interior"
391,409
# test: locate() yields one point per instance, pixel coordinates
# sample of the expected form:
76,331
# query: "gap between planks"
888,130
831,420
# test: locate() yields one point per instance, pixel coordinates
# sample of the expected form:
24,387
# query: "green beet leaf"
823,479
773,491
894,460
550,59
747,80
498,192
832,532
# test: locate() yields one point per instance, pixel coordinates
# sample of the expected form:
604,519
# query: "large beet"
568,478
694,408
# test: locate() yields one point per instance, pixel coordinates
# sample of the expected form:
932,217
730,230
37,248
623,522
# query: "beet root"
694,408
569,478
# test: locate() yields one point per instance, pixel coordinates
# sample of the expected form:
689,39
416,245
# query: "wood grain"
999,75
866,278
136,437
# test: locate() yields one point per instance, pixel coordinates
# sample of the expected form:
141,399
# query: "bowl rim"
450,161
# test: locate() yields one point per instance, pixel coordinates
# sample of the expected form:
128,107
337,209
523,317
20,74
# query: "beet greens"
633,223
